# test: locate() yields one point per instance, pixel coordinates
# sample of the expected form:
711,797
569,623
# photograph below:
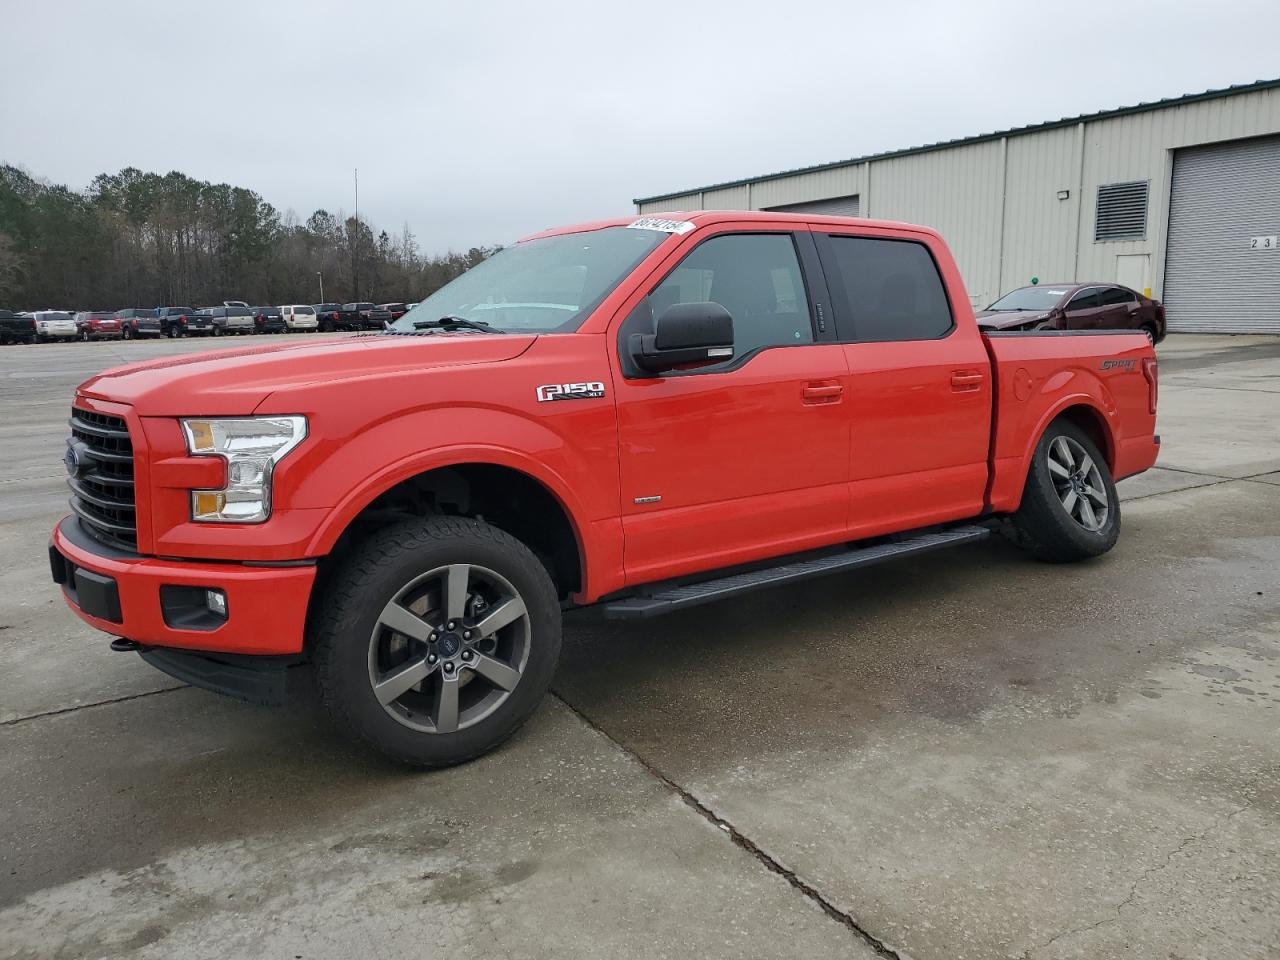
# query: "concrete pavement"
970,755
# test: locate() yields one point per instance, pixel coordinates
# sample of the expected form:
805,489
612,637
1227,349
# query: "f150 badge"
570,391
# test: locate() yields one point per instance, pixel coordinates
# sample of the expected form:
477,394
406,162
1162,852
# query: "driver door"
744,459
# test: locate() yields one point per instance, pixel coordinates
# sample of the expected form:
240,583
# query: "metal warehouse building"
1180,198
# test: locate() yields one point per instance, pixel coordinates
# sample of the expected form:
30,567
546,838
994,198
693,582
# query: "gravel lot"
970,755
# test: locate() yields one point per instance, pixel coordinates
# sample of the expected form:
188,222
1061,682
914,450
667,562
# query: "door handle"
966,380
822,392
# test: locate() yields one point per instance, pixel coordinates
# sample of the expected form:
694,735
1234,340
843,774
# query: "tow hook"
121,645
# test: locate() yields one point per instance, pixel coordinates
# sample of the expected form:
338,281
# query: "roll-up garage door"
835,206
1222,272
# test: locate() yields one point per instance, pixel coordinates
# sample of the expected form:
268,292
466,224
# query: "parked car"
174,321
17,327
200,323
268,320
98,325
1076,306
363,316
397,310
227,321
235,303
54,325
136,323
328,316
299,317
411,512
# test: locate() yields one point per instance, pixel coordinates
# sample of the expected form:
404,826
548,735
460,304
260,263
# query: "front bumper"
120,593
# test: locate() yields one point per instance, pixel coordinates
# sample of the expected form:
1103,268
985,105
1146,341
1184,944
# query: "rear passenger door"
1118,308
919,383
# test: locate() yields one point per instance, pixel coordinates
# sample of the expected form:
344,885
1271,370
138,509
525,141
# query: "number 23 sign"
1262,243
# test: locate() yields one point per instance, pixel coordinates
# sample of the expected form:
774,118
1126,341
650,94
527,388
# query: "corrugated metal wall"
997,202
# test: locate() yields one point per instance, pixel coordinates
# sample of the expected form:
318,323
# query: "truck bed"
1108,376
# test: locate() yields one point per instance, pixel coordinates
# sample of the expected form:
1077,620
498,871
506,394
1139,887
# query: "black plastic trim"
672,598
260,680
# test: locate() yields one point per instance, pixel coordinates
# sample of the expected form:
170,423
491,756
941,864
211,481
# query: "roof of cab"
702,218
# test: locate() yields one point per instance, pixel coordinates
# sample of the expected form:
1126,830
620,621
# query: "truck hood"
235,382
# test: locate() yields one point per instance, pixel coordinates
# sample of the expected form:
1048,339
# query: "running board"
679,598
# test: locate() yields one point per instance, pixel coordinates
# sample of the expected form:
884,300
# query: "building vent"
1122,211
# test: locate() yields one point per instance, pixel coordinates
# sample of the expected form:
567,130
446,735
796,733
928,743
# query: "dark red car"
397,310
98,325
1075,306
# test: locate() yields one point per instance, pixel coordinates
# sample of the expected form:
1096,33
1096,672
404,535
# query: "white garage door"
835,206
1223,269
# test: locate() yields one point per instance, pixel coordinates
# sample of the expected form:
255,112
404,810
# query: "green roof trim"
1231,91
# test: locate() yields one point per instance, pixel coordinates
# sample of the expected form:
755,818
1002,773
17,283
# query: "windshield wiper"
455,323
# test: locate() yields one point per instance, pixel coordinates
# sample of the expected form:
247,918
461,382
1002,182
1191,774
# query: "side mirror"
686,335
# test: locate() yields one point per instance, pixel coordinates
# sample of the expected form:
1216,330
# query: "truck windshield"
548,285
1030,298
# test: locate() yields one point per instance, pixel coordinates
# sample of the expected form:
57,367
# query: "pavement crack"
1142,878
14,721
744,842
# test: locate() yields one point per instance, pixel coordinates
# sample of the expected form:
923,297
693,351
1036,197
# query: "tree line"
136,239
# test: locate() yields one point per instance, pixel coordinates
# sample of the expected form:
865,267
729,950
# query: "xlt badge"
570,391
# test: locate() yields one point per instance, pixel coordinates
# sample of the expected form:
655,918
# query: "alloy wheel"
449,648
1078,483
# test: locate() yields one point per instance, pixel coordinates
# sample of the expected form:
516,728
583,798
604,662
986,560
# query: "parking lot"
967,755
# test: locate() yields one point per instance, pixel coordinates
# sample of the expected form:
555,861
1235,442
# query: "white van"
299,316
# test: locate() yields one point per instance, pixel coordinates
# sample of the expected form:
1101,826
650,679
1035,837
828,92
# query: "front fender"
568,453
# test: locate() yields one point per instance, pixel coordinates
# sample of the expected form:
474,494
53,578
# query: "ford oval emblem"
71,460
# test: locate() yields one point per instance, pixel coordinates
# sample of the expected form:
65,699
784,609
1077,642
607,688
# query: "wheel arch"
522,498
1009,475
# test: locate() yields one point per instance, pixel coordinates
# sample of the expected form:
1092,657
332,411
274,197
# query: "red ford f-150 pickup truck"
642,413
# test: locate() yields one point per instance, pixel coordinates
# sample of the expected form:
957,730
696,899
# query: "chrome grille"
102,485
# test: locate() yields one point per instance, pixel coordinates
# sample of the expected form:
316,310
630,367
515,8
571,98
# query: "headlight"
252,446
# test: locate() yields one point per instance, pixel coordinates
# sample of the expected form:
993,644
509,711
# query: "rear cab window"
891,289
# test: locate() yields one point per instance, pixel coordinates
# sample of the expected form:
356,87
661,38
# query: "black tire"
1150,331
84,336
1044,523
126,334
345,626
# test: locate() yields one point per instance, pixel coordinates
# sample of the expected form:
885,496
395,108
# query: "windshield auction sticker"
657,223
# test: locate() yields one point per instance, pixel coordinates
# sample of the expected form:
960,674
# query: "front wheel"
1070,508
436,639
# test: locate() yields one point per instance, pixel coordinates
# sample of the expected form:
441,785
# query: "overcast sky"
479,122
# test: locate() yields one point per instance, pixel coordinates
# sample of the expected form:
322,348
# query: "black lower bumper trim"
259,680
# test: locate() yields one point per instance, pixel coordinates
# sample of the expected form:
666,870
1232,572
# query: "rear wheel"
127,333
1070,508
437,640
1150,331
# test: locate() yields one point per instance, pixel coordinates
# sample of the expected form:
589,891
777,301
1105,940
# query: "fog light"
216,603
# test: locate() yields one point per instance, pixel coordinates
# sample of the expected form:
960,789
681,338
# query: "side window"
893,289
1084,300
756,277
1114,296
